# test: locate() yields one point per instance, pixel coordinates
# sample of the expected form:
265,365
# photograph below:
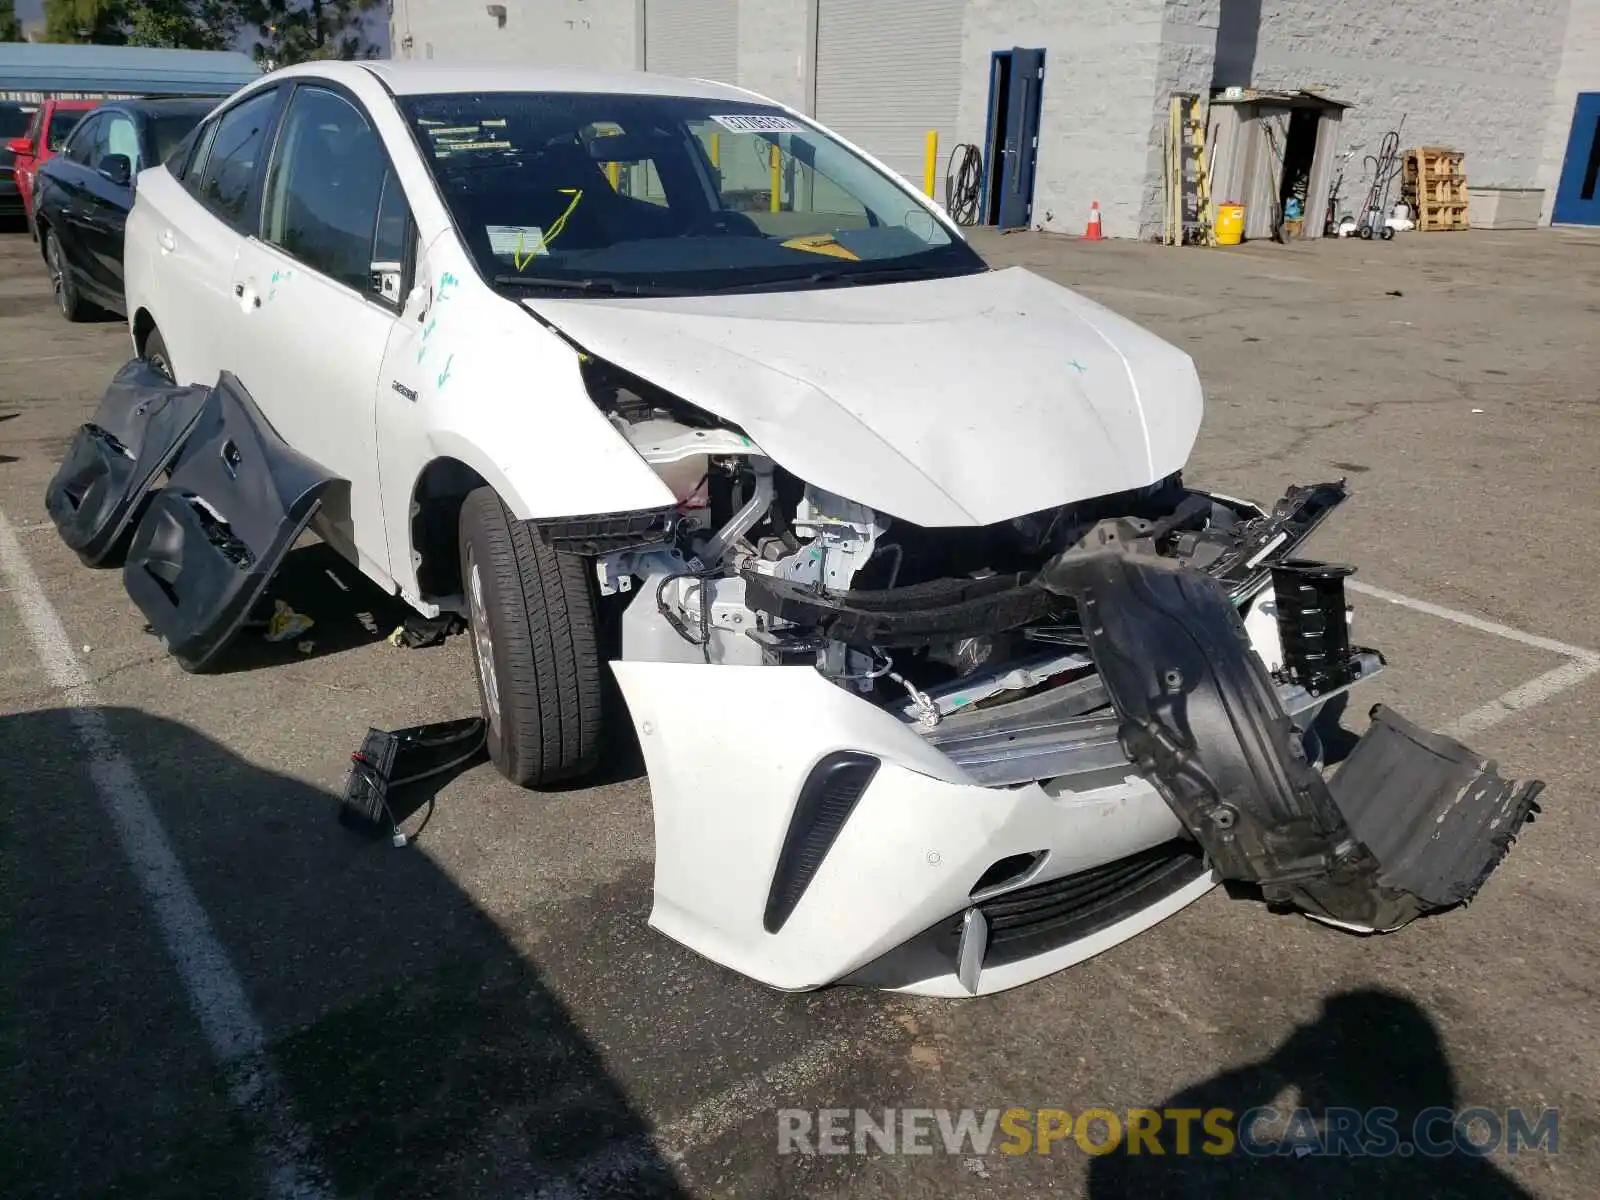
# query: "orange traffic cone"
1092,233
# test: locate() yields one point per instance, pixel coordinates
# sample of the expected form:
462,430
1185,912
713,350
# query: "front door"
1578,196
317,296
1020,151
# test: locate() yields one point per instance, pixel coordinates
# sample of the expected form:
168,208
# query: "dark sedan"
83,195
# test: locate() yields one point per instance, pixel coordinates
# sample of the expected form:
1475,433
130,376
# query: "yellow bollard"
716,150
931,164
614,174
777,179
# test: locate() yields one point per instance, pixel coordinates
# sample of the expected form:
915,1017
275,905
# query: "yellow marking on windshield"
820,243
518,260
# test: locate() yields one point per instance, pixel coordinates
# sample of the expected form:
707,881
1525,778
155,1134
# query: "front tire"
531,615
72,305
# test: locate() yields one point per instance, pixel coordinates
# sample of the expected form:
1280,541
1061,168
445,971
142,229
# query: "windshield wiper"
597,283
843,275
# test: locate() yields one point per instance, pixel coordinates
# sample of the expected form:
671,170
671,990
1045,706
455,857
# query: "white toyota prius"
944,677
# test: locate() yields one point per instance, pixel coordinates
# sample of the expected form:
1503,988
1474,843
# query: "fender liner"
97,492
1412,823
210,541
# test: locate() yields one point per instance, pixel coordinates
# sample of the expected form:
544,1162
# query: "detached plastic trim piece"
108,469
827,798
208,545
1413,823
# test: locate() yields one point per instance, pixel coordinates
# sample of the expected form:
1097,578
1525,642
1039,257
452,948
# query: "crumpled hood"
962,401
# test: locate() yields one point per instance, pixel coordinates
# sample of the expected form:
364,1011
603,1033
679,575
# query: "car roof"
411,77
155,106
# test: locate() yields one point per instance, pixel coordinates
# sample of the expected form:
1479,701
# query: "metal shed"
36,71
1249,137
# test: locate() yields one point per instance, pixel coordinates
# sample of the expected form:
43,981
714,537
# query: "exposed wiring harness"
963,184
702,637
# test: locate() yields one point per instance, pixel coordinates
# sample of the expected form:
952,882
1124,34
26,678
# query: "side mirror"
20,145
118,168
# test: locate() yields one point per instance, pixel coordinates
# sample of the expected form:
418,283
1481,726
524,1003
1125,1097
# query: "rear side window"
62,123
326,187
229,171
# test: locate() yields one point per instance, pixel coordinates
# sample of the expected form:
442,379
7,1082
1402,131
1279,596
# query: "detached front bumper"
805,836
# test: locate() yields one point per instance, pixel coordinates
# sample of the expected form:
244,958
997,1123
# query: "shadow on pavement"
1368,1050
421,1050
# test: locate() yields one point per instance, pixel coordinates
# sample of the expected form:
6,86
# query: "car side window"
331,200
80,147
122,138
229,171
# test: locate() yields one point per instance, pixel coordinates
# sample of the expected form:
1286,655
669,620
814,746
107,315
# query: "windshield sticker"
760,123
514,241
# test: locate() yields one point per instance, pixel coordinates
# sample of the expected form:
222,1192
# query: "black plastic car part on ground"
1412,823
98,491
210,540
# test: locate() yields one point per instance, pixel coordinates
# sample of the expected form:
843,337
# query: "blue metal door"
1578,196
1020,150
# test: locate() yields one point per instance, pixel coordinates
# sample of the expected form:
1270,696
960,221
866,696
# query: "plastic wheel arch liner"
1412,823
209,542
108,469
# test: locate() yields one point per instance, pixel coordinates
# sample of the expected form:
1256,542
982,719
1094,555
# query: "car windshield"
62,122
596,193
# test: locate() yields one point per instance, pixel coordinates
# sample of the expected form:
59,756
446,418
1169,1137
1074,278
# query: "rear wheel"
72,305
532,618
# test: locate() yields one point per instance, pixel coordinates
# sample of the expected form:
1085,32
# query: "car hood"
959,401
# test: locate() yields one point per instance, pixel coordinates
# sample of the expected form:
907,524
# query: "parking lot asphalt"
485,1012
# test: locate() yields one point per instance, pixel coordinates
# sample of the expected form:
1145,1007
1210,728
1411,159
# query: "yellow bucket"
1230,224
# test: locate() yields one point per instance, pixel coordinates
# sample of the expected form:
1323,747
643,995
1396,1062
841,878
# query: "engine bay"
755,566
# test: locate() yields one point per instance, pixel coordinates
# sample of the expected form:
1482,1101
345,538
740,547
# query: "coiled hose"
963,184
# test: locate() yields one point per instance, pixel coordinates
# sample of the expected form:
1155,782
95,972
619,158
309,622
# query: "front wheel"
531,612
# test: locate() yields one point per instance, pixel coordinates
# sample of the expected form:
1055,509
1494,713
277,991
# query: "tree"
297,30
10,27
102,22
186,24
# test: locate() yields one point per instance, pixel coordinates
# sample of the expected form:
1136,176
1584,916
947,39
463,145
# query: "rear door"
318,292
64,194
198,221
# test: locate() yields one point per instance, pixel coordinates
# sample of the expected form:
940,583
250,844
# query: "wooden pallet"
1434,183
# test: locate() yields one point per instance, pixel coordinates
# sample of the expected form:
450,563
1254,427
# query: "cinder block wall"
1578,71
1476,76
1101,63
579,33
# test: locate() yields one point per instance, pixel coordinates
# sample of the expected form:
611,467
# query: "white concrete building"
1513,84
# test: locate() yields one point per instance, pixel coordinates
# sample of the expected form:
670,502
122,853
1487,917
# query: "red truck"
52,121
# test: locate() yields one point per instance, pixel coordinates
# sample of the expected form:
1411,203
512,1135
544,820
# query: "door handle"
167,241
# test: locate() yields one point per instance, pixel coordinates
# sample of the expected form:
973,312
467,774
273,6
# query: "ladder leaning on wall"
1189,215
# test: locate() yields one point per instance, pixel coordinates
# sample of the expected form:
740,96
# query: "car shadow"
1371,1054
421,1049
347,611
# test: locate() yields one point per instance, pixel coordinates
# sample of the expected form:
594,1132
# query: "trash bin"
1230,224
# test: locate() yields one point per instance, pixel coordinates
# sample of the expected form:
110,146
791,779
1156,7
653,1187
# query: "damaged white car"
944,678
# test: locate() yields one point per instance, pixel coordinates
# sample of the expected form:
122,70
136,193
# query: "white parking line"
1584,663
215,993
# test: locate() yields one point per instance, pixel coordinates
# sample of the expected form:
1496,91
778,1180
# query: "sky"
377,24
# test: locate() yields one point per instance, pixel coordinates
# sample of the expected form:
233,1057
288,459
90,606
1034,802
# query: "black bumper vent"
827,799
1044,916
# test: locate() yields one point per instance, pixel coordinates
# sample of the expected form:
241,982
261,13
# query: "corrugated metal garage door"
889,71
696,38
